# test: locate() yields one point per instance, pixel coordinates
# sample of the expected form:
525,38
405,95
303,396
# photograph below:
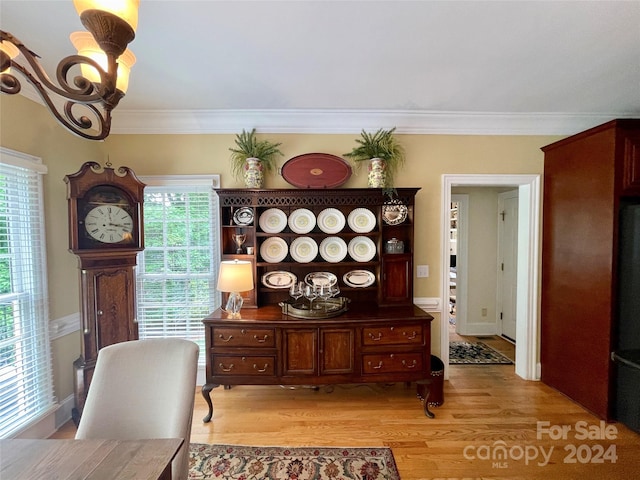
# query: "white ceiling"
323,66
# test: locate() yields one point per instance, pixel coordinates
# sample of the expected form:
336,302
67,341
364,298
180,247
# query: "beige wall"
28,128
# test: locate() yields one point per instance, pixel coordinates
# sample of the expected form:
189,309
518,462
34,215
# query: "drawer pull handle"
261,370
376,339
413,365
225,369
413,335
261,340
377,367
228,339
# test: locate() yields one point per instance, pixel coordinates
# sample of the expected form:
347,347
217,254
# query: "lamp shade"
235,276
87,47
127,10
11,51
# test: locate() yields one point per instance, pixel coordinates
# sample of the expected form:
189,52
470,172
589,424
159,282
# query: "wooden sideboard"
382,337
366,344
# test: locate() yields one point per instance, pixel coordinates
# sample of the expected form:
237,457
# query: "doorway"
526,294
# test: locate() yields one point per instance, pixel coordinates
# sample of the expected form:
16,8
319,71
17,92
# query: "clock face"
107,219
109,224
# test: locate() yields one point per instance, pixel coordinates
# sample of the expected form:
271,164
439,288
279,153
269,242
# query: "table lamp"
235,276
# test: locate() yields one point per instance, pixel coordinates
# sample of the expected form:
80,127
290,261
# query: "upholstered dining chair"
143,389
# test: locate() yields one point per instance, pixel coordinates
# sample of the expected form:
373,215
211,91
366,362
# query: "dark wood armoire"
588,177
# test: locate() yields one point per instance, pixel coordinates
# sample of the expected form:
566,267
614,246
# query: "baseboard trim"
475,329
42,427
63,414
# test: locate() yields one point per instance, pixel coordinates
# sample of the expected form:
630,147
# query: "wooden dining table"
26,459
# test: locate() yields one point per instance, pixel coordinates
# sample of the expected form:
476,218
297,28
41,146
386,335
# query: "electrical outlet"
484,312
422,271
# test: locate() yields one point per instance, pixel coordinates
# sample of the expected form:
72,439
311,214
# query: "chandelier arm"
83,94
82,89
10,84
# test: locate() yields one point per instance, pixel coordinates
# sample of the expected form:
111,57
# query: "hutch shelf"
393,272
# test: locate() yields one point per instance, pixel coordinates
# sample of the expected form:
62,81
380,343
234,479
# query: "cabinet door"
300,356
336,351
578,245
109,309
397,279
114,307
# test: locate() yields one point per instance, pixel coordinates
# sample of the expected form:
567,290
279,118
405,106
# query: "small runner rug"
477,353
222,462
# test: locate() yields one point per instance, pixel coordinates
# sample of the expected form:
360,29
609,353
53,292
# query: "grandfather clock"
106,234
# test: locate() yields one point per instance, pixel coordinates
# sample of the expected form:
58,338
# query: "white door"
507,263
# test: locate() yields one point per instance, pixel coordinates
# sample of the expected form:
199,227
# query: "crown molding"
353,121
335,121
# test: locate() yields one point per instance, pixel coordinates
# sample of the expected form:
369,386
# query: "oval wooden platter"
316,170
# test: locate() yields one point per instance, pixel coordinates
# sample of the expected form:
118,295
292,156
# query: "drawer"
242,337
243,365
392,363
395,335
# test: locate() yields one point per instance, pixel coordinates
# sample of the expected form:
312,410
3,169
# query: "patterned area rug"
238,462
474,354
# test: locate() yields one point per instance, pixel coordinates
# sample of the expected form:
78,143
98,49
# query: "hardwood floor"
485,408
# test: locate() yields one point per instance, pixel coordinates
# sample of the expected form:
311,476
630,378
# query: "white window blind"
177,272
26,387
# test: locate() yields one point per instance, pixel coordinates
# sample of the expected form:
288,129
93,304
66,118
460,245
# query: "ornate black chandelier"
88,98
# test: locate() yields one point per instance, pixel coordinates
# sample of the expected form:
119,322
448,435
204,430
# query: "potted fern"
384,154
252,159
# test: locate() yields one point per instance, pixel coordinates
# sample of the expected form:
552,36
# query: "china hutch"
360,240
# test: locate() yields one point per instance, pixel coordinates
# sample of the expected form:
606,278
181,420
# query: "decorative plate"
302,221
362,249
361,220
273,220
279,279
394,213
359,278
321,278
331,220
273,250
333,249
304,249
316,170
243,216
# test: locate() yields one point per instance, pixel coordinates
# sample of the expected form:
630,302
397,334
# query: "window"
26,387
177,272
